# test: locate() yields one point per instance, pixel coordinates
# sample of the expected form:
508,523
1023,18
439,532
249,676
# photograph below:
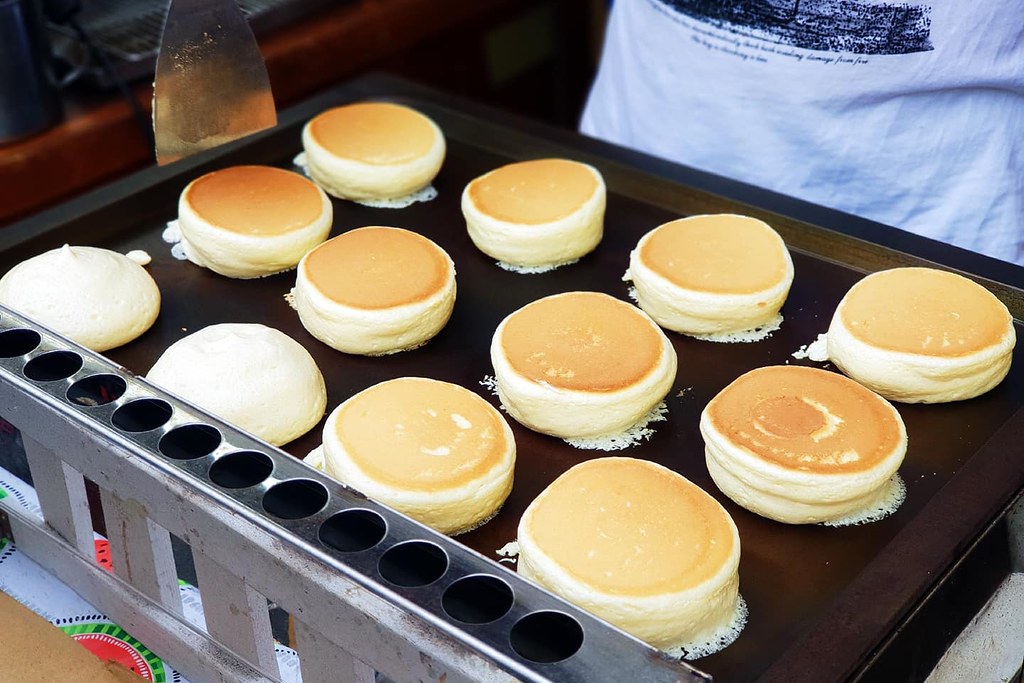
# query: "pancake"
96,297
639,546
258,378
581,365
375,290
545,212
430,449
712,274
252,221
372,150
802,445
921,335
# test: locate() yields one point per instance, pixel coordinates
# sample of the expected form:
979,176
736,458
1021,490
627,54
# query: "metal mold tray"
823,602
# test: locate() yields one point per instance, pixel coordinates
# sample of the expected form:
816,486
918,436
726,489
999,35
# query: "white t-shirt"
907,113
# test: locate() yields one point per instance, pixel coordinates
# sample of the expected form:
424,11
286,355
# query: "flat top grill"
821,599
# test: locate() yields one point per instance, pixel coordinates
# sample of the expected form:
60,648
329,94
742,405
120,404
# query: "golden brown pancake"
374,133
627,527
430,449
534,192
581,341
255,200
377,268
806,419
721,253
925,312
417,435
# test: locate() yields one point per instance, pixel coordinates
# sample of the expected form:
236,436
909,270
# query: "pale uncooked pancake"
581,364
372,150
921,335
375,290
711,274
431,449
802,445
253,376
544,212
639,546
251,221
96,297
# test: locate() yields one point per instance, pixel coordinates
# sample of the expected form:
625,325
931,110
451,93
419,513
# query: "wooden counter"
99,140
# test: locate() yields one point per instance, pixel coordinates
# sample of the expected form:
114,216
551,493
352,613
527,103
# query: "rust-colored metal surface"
821,600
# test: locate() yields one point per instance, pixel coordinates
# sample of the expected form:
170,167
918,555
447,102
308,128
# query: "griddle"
824,603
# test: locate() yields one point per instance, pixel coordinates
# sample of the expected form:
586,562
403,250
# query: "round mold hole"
241,469
189,442
18,342
142,415
352,531
52,366
546,637
413,563
478,599
96,390
295,498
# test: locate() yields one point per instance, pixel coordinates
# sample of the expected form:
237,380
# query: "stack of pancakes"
640,546
921,335
433,450
372,150
536,214
802,445
581,365
375,290
252,221
717,274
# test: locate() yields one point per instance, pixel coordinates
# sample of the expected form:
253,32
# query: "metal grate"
130,29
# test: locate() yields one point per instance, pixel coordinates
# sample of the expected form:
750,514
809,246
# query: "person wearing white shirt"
907,113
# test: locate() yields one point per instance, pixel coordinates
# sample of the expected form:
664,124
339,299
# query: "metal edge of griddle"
604,650
960,592
862,620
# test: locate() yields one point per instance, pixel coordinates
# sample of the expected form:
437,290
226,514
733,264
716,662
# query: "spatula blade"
211,83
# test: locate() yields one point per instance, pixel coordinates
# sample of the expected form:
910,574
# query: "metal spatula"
211,84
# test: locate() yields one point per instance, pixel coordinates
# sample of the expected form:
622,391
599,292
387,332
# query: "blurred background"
76,75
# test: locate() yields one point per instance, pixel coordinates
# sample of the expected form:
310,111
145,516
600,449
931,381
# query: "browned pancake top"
582,341
377,267
534,192
419,434
924,311
255,200
374,133
630,527
806,419
720,254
